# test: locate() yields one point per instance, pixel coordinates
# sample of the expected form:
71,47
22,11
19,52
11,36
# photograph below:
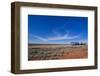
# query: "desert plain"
56,51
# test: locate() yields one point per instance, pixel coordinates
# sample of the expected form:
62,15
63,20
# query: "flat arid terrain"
56,51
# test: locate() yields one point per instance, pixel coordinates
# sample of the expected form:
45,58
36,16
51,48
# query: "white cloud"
64,37
57,36
38,37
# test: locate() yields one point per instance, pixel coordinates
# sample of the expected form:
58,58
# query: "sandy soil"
74,54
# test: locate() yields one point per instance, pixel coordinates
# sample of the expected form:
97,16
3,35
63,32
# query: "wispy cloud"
64,37
57,36
38,37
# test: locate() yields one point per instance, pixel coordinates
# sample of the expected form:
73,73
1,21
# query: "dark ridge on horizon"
57,44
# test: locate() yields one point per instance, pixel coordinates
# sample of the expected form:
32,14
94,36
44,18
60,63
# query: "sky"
46,29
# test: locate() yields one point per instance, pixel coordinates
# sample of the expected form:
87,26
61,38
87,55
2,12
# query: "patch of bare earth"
74,54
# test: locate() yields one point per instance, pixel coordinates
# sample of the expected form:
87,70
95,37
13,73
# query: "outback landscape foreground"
56,51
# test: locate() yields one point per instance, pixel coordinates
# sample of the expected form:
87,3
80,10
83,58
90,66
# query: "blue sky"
43,29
